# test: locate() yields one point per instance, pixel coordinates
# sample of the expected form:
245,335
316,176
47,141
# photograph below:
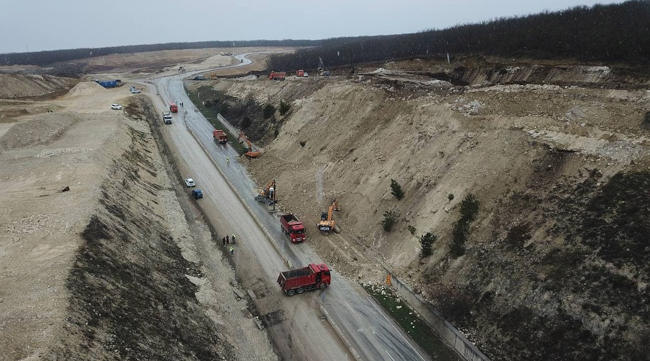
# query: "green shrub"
469,207
246,122
268,110
396,189
284,107
411,229
426,244
468,211
390,219
450,197
518,235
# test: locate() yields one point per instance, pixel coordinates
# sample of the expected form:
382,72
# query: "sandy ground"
75,141
31,85
42,155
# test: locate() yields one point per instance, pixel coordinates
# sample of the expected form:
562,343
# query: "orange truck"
219,136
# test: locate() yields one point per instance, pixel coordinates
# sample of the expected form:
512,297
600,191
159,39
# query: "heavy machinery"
312,277
327,222
250,153
219,136
321,68
268,194
292,226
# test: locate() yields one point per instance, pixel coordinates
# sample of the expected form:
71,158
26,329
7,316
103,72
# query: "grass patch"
411,323
211,115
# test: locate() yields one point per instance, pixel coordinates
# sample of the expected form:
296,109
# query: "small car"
197,194
167,118
116,107
189,182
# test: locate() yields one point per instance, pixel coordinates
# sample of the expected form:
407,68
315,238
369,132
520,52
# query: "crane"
327,222
268,194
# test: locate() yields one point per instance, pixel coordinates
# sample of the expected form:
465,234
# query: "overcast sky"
32,25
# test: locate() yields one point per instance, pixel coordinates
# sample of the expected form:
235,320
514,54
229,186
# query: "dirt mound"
14,86
42,129
85,88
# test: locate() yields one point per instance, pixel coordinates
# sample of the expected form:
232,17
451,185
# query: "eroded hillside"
553,265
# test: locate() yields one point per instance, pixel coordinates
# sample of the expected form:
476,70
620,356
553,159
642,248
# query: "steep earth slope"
98,260
16,86
554,262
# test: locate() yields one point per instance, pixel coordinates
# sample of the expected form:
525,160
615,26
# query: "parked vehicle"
219,136
167,118
275,75
134,90
300,73
116,107
314,276
197,194
189,182
109,83
292,226
173,108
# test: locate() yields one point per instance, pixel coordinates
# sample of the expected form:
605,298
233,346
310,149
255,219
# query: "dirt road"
367,331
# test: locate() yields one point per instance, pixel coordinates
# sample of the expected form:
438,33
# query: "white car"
189,182
167,118
116,107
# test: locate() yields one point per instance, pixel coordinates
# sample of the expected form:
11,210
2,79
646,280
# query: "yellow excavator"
267,194
327,222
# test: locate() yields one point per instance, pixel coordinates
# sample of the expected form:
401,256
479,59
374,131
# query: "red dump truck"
173,108
292,226
219,136
277,75
314,276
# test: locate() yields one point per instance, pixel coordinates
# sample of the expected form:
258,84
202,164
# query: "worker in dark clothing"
227,239
223,241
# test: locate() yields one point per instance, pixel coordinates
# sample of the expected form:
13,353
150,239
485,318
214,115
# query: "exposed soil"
148,308
555,264
21,86
98,260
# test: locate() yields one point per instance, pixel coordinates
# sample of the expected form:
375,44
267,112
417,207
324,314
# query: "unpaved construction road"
358,327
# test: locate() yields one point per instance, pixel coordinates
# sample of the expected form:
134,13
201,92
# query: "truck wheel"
291,292
323,286
300,290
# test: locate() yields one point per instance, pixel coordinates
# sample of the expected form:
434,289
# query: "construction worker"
233,238
228,160
232,251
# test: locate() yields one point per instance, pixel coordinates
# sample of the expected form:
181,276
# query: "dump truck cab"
292,226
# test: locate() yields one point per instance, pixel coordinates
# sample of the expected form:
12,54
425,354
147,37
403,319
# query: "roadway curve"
366,330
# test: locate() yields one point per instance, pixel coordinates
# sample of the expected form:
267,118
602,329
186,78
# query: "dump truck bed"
294,273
